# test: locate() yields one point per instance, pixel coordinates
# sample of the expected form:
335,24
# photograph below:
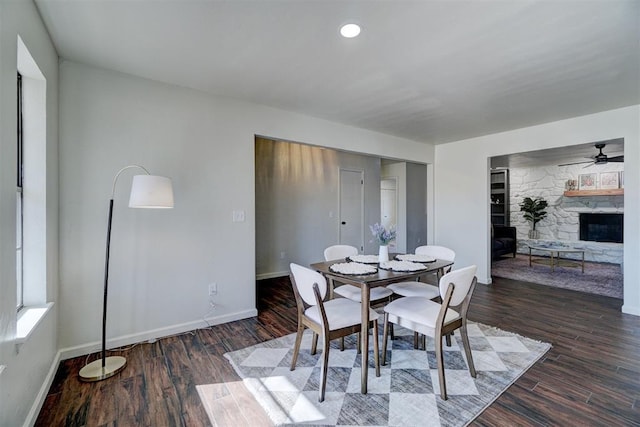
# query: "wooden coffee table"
554,256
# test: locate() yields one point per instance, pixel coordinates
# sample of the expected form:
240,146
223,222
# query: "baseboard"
154,334
628,309
32,416
271,275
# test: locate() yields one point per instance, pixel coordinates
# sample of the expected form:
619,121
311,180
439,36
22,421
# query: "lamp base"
95,372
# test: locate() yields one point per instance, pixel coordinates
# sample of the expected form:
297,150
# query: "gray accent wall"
297,202
416,206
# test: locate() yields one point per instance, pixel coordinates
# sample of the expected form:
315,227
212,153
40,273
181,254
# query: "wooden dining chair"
436,319
339,252
332,319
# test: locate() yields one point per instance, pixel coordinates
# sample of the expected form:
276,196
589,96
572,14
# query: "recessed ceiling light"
350,30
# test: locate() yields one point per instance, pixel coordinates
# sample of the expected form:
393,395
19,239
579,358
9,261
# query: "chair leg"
341,343
467,350
323,367
448,339
385,332
314,343
359,343
296,347
376,348
415,340
393,337
440,360
424,342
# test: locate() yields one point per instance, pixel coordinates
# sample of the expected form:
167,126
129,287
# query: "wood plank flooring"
590,377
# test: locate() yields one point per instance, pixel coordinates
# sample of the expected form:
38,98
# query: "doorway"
389,202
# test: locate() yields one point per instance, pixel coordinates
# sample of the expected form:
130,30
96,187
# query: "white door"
351,208
388,202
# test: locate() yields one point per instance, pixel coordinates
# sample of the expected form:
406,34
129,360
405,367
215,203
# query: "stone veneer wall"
562,222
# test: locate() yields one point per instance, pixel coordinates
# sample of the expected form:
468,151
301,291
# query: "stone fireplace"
563,222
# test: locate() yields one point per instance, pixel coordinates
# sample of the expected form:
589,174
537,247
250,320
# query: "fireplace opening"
601,227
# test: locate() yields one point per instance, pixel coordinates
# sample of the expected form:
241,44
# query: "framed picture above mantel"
587,181
609,180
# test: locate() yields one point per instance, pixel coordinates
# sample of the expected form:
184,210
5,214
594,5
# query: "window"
19,204
31,191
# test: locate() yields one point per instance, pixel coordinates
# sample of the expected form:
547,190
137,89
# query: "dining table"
381,277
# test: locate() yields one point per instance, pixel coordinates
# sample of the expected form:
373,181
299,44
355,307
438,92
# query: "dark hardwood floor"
590,377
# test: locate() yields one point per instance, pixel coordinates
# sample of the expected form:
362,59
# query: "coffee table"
554,256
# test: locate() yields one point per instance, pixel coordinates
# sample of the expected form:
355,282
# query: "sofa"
503,241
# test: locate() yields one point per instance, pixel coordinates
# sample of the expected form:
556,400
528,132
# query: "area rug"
598,278
406,393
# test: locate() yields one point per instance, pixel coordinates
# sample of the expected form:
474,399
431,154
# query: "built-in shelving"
500,197
585,193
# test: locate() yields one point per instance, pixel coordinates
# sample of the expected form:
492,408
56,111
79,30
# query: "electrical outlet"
213,289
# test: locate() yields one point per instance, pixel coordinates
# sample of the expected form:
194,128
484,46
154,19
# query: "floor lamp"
147,191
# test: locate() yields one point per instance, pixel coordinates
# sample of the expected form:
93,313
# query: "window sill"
28,320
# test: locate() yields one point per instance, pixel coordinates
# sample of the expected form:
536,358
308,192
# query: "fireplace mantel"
587,193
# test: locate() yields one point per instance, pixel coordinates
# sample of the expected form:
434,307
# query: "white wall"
162,262
27,366
462,186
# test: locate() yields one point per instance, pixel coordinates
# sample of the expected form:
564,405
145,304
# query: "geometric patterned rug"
406,393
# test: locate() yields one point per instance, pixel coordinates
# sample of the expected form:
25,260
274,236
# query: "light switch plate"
238,216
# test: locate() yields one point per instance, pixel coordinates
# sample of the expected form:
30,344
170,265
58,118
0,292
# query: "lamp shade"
151,191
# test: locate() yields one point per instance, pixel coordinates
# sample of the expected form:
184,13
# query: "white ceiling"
431,71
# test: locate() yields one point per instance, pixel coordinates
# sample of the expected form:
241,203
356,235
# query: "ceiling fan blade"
576,163
615,159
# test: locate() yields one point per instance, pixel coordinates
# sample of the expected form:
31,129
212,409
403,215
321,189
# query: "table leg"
552,265
529,257
582,262
364,335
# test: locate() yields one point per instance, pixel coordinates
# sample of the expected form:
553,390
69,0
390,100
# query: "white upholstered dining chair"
436,319
332,319
339,252
421,289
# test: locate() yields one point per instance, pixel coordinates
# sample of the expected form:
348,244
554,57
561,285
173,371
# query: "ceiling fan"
599,159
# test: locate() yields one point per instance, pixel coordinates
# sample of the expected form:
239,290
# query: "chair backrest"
462,279
439,252
304,278
339,252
